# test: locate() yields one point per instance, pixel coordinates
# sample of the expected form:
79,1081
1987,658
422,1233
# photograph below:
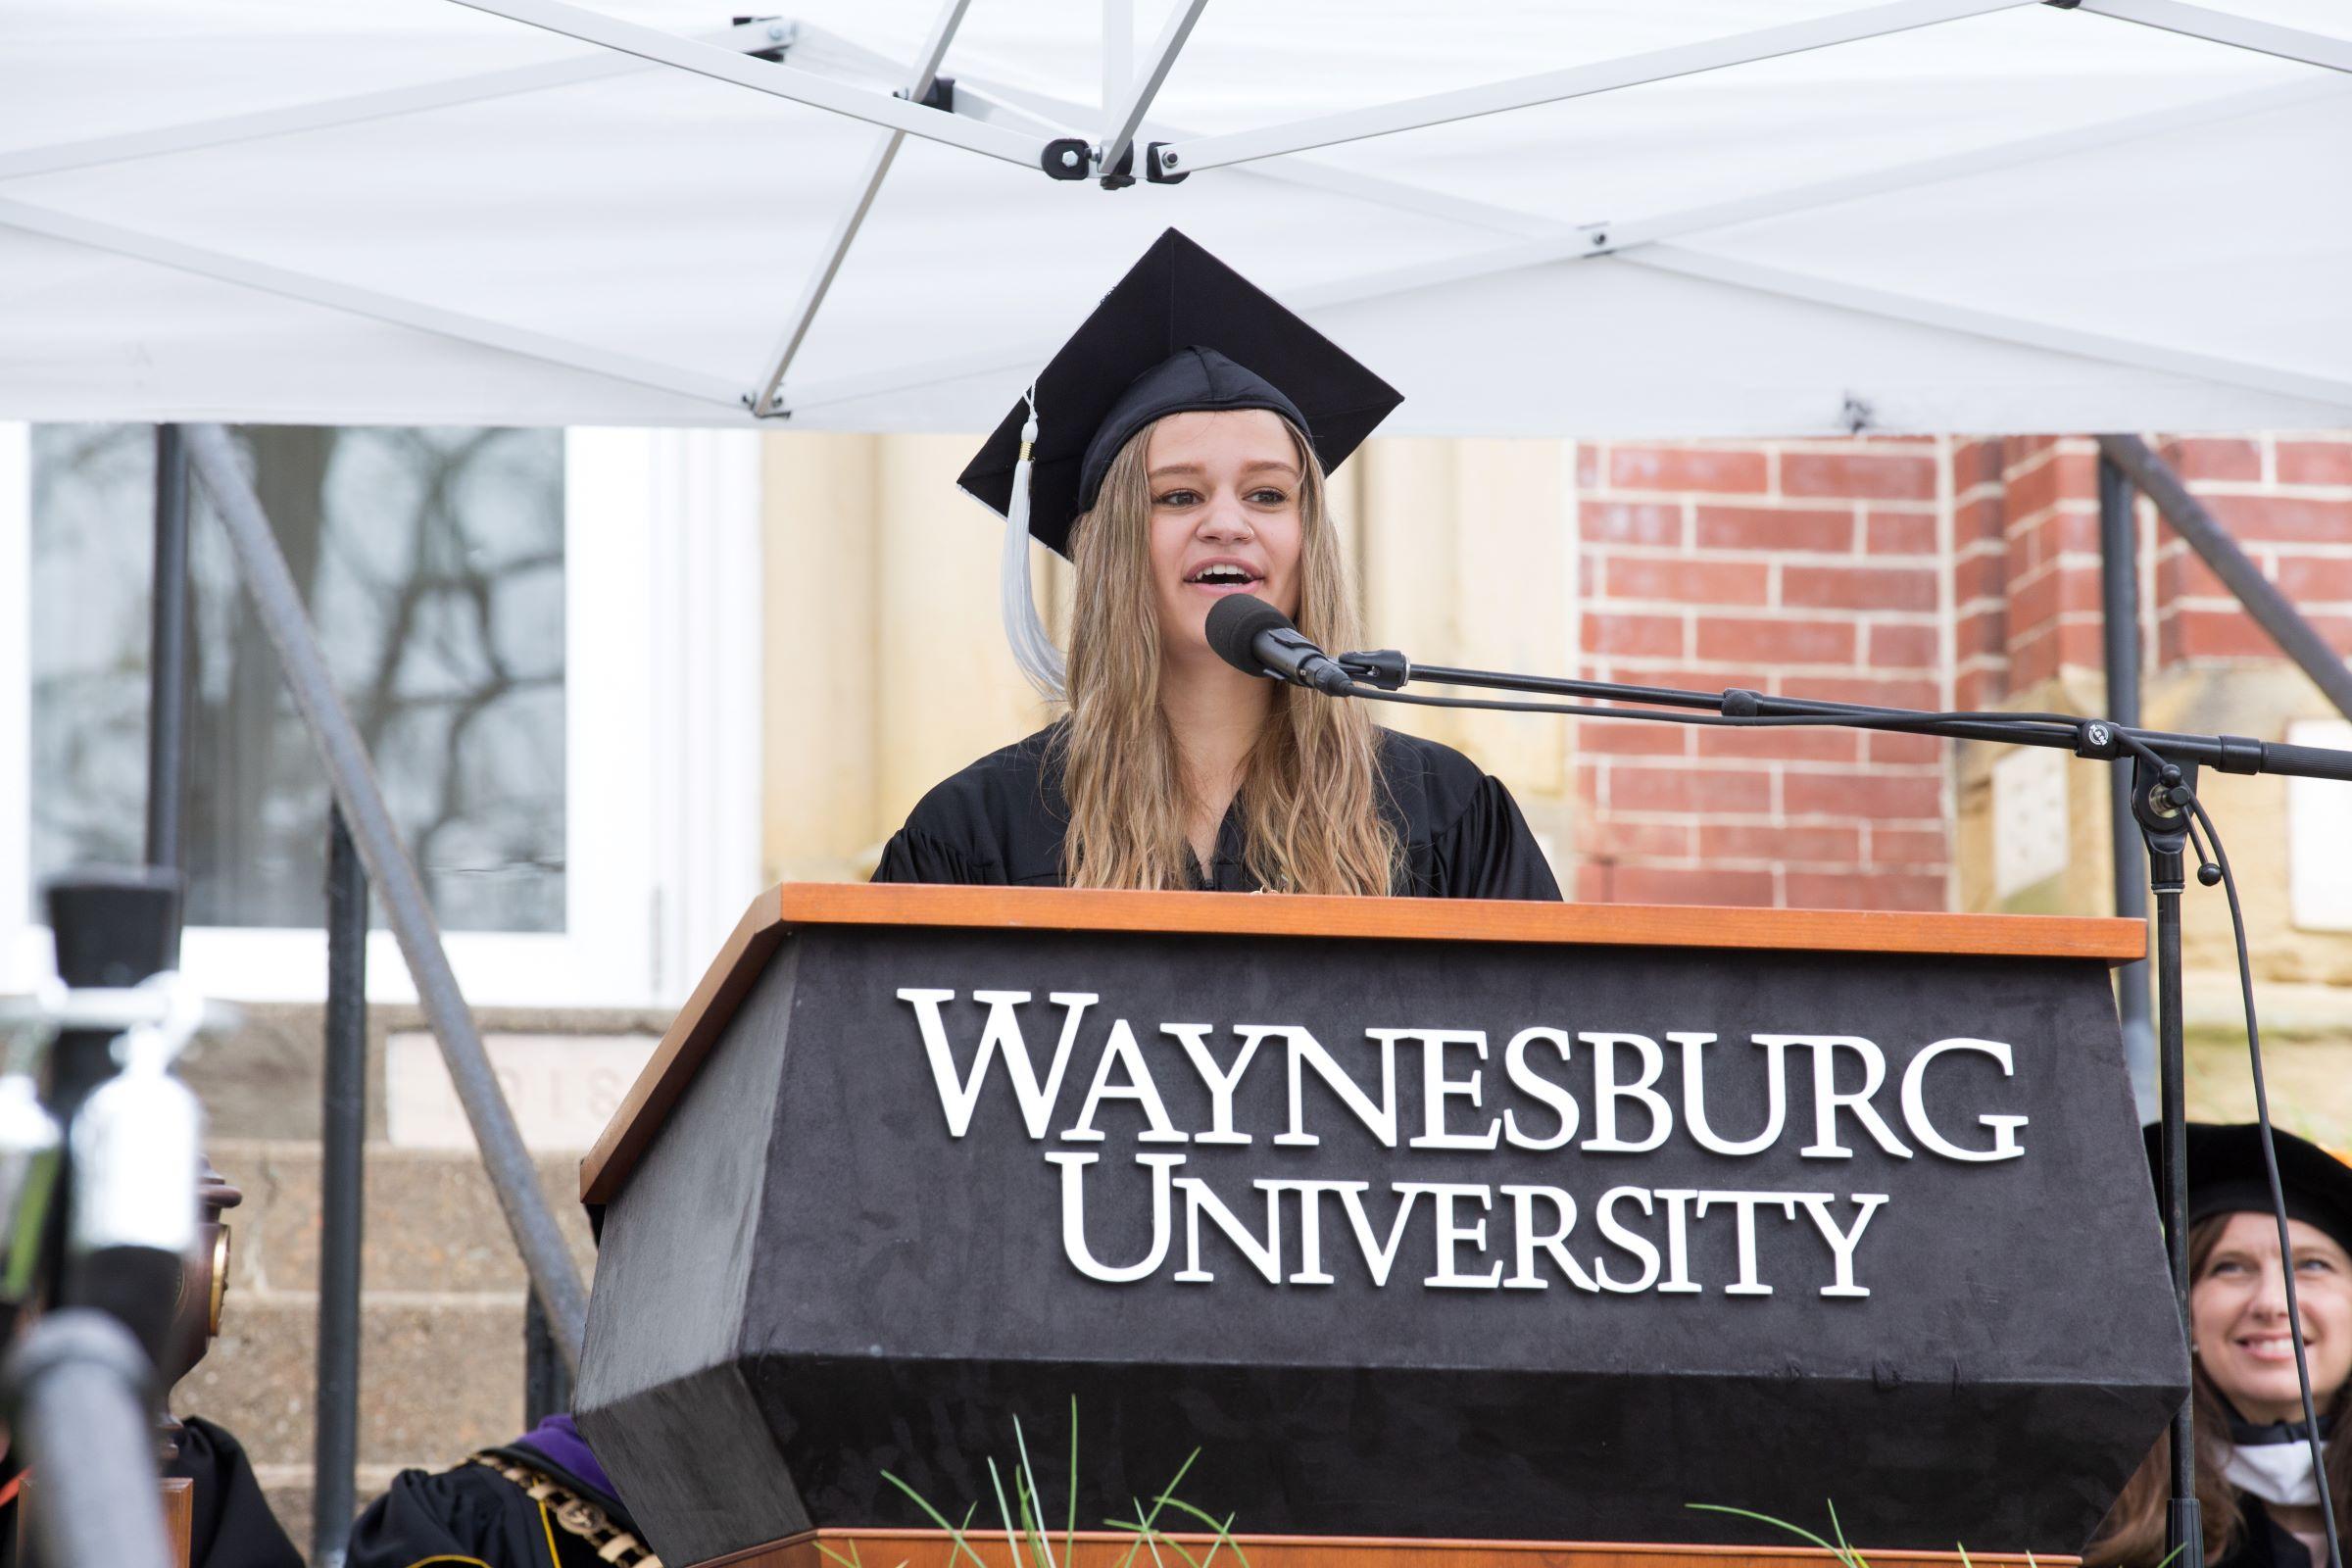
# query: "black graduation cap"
2225,1176
1182,331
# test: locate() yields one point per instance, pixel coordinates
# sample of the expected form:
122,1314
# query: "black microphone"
1257,639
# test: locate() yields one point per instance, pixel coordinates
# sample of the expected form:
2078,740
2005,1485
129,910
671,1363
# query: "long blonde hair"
1308,791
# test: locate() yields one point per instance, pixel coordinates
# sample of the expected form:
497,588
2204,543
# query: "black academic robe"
2264,1543
232,1525
1000,821
474,1515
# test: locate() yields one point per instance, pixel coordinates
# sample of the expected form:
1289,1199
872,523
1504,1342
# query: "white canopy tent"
1607,218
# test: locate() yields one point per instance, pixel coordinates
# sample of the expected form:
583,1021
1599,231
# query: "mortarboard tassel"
1033,646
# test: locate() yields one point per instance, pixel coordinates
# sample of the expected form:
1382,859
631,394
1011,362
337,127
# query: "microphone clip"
1384,667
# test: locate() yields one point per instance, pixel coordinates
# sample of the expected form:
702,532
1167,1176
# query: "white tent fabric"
408,210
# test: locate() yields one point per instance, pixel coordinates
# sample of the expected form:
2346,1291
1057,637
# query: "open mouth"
2271,1346
1229,576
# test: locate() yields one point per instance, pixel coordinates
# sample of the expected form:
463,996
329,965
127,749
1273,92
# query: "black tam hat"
1180,334
2225,1177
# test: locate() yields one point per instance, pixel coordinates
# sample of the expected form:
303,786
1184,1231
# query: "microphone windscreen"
1234,625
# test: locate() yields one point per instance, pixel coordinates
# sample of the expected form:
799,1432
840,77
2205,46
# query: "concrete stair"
441,1357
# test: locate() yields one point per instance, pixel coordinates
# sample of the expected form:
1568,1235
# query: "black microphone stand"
2163,793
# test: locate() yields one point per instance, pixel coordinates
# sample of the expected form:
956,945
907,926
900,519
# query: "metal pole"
278,605
342,1184
77,1390
2185,1533
2119,581
546,1385
2203,532
167,658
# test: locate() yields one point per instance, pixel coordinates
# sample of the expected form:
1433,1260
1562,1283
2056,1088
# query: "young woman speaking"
1175,450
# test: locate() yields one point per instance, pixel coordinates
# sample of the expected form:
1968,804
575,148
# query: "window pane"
432,562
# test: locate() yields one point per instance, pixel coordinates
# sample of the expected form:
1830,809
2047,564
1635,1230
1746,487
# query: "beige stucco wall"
2303,978
887,670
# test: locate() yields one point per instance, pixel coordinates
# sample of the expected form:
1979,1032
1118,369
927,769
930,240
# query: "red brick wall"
2025,553
1802,568
2287,500
1919,572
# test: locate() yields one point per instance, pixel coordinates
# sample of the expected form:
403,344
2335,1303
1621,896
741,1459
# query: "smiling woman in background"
1189,426
2260,1502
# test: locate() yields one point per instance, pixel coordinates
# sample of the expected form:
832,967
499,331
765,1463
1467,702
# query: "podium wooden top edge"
792,905
1379,1551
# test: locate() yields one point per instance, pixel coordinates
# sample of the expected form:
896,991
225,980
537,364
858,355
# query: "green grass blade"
1223,1532
1767,1519
1845,1553
1033,1522
1004,1516
845,1562
954,1535
1069,1538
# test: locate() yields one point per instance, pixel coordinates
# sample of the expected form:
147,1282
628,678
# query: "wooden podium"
1446,1231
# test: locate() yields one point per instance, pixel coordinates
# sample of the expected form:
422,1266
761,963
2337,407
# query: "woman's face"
2237,1317
1225,518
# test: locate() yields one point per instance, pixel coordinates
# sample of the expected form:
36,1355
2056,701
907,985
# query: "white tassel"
1032,645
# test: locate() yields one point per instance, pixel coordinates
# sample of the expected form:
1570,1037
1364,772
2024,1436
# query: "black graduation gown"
474,1515
1000,821
232,1525
229,1524
2264,1543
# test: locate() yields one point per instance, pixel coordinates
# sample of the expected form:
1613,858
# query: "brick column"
1815,568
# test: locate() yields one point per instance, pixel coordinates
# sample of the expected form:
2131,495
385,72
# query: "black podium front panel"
1420,1238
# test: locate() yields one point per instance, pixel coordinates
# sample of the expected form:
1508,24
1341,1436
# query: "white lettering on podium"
1694,1095
1638,1239
1437,1089
1608,1090
1222,1082
1829,1098
1552,1243
1841,1243
1633,1242
1122,1053
1915,1104
1307,1051
1000,1036
1073,1216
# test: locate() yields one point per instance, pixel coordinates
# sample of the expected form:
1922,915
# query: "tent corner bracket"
782,33
1066,158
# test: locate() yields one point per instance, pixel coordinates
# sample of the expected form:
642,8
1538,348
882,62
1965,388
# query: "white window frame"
2319,836
662,723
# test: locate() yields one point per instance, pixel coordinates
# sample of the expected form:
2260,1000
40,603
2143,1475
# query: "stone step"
440,1375
431,1218
288,1490
441,1341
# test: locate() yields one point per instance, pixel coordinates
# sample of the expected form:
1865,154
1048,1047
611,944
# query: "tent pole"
368,302
1119,134
2239,32
278,604
222,131
2118,584
1119,53
1576,82
2296,637
782,82
763,398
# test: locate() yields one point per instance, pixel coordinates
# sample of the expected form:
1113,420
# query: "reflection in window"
432,562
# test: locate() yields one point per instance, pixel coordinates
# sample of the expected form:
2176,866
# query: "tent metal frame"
995,123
